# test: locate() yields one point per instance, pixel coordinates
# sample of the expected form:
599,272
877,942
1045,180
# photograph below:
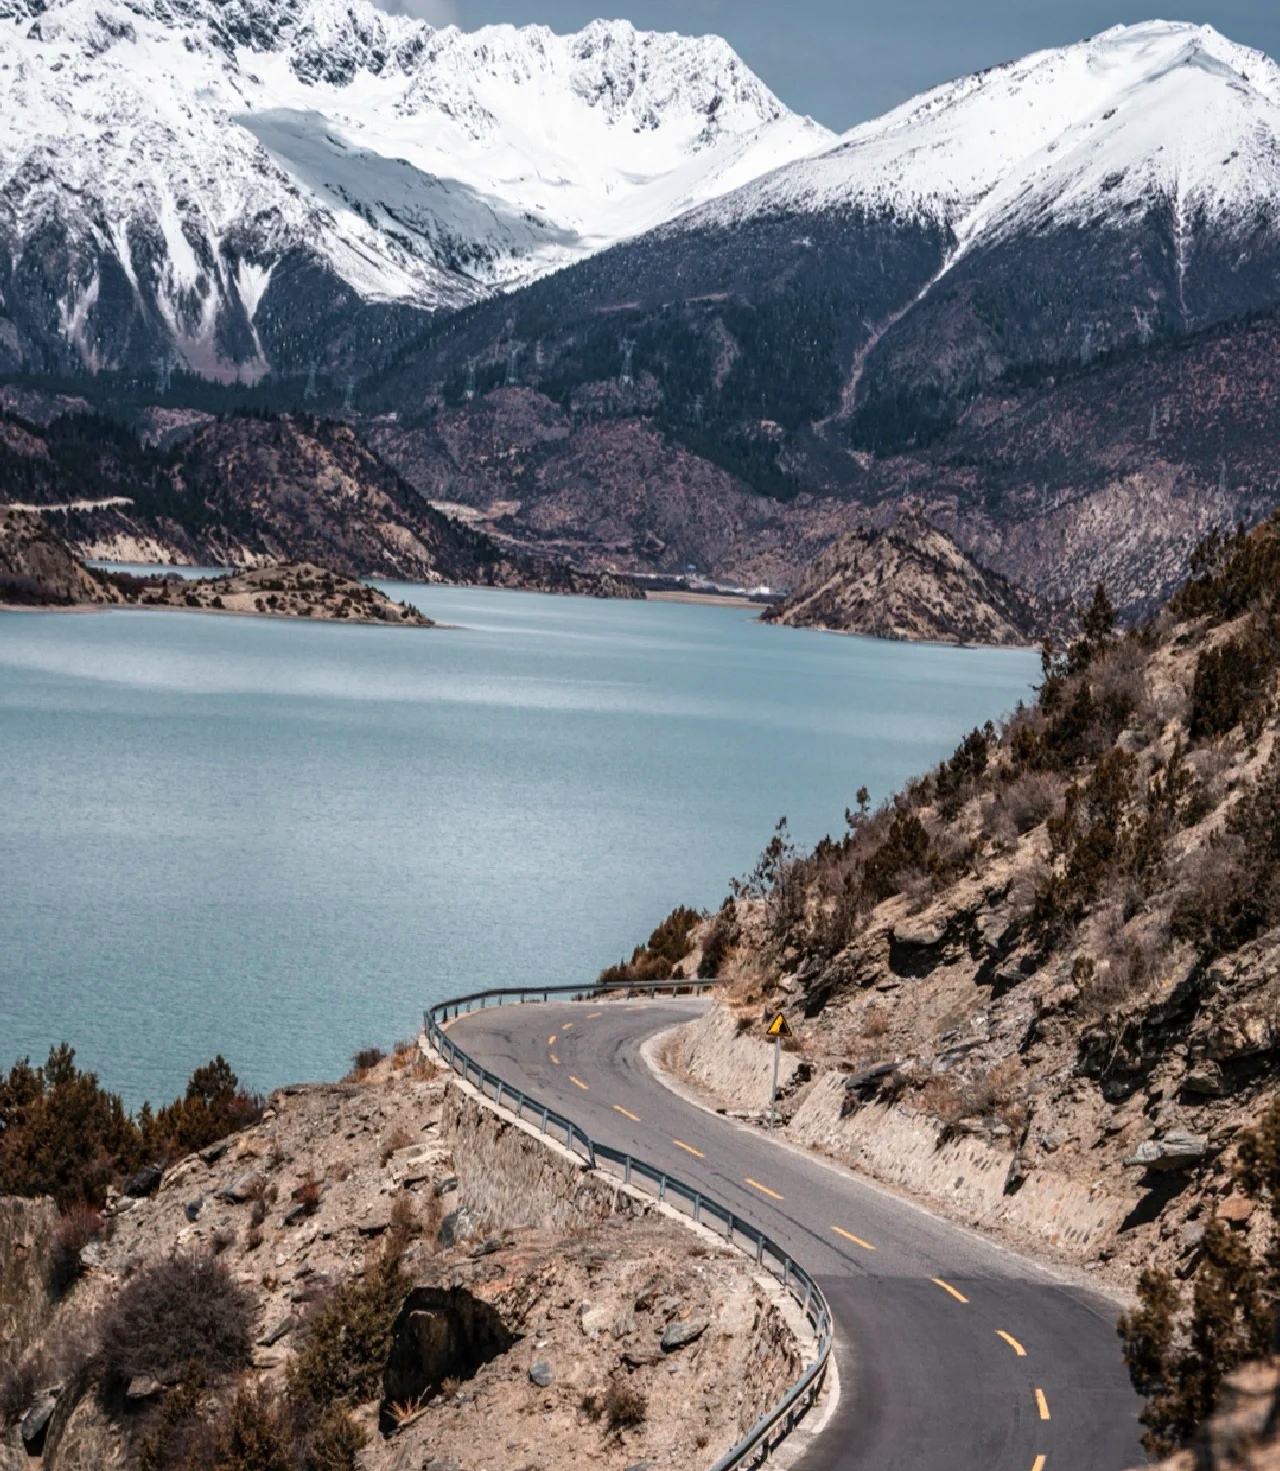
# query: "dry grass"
396,1140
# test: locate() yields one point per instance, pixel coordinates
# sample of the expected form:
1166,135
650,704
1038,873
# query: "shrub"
171,1314
74,1231
254,1435
1230,686
957,777
658,957
348,1338
397,1139
904,851
306,1193
367,1058
719,940
62,1134
622,1406
20,1382
334,1444
1024,803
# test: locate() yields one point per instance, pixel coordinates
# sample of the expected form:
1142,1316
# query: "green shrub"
348,1338
658,957
1231,685
903,851
62,1134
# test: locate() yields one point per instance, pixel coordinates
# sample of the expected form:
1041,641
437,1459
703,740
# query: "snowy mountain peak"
178,150
1162,111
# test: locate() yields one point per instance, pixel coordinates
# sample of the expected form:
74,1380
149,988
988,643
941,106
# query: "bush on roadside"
658,957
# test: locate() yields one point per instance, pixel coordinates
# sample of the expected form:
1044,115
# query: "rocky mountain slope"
336,1286
909,581
246,491
1038,987
37,567
263,184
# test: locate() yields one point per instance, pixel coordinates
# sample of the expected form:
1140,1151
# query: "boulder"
679,1335
145,1182
1177,1150
142,1387
244,1187
541,1374
459,1225
35,1423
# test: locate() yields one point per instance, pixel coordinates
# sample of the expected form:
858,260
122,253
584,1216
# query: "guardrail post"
626,1171
544,1120
697,1208
786,1274
497,1098
662,1187
759,1251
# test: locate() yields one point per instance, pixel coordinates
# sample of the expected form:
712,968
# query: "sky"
842,61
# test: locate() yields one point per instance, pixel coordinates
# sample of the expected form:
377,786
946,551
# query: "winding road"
954,1355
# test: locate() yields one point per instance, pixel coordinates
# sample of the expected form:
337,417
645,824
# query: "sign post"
779,1028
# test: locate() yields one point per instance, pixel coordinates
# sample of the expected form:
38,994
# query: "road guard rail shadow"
776,1423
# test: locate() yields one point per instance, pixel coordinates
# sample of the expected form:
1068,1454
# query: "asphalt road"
954,1355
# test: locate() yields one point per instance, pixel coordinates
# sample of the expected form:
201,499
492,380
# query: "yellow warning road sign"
779,1027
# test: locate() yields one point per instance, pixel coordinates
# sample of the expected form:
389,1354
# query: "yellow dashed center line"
626,1113
1042,1404
688,1148
849,1236
551,1041
947,1287
763,1189
568,1027
578,1083
1012,1342
594,1015
1038,1464
555,1059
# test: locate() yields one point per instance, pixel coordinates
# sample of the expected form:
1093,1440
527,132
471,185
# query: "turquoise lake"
280,840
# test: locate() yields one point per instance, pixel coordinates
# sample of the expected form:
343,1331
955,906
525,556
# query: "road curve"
954,1355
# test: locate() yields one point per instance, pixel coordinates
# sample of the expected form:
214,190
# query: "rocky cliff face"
255,491
909,581
1039,986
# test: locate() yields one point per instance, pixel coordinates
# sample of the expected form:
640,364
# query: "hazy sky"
846,60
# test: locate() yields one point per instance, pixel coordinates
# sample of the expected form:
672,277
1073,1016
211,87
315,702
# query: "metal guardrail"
776,1423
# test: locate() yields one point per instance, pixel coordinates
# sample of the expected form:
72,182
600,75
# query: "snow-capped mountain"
193,173
1083,134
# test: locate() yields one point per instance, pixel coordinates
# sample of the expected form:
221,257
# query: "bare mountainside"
251,491
910,581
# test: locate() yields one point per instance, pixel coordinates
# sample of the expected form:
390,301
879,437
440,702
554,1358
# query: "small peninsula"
909,581
38,569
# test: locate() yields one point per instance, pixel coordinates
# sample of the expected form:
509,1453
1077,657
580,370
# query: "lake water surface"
280,840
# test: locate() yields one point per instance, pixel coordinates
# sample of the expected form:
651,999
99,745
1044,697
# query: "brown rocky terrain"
1038,988
250,491
37,567
909,581
456,1311
1111,469
291,590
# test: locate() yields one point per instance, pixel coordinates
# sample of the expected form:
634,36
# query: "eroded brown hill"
909,581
